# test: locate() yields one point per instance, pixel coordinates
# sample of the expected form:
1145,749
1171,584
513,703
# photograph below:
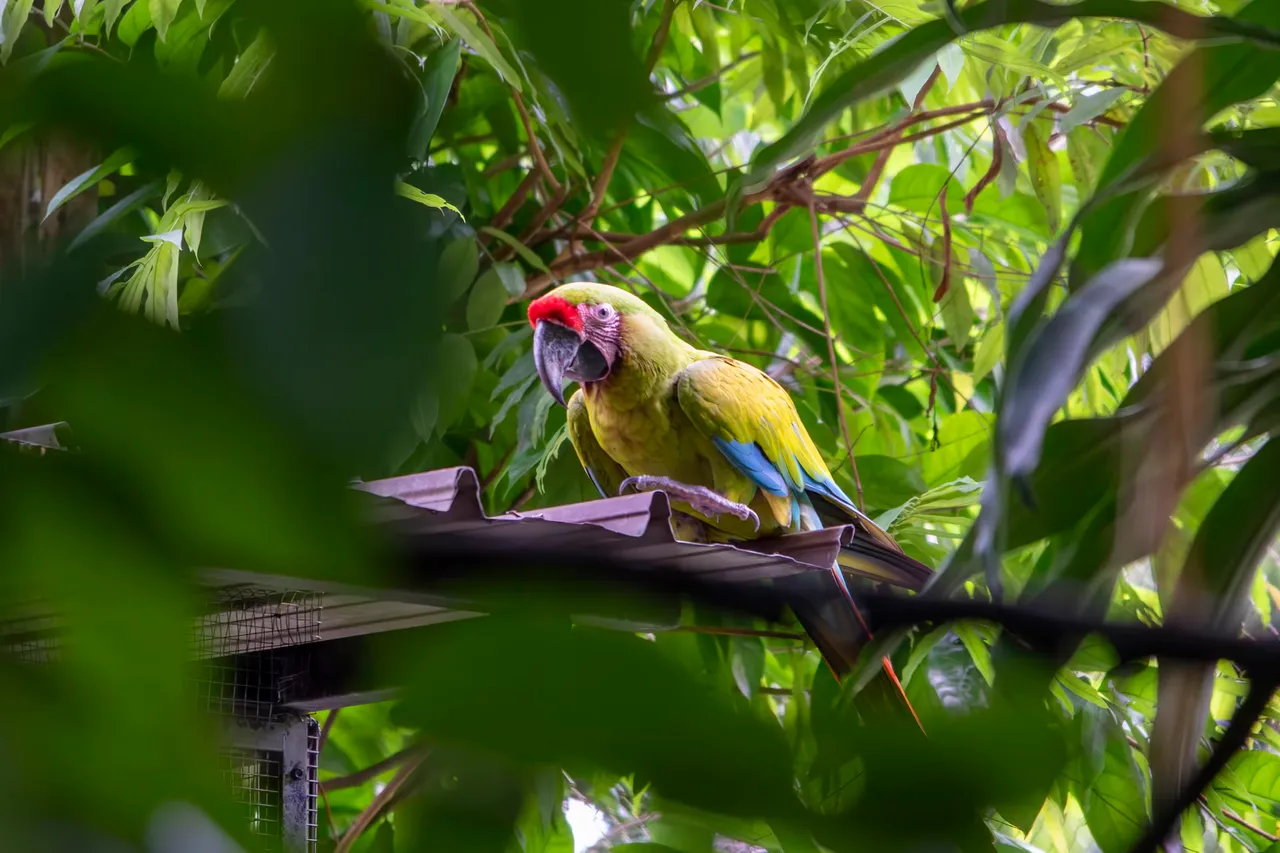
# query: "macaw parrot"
720,437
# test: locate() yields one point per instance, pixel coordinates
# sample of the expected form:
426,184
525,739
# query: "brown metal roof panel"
645,514
449,490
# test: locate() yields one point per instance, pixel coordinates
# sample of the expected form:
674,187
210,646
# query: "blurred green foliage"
312,230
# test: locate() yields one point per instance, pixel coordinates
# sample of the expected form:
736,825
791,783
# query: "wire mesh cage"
248,647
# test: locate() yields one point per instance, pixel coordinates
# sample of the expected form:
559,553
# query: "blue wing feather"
748,458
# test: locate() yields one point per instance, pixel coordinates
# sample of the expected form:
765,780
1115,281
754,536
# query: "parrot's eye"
604,312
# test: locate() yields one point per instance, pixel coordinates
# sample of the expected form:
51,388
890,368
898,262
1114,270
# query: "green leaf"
918,186
1253,258
663,144
1087,154
134,23
249,68
162,14
747,664
1259,773
526,254
1056,352
987,356
13,131
51,9
487,300
586,49
957,311
512,278
436,79
426,199
14,19
920,652
455,371
424,412
1088,107
116,212
89,179
461,25
1046,174
459,263
977,649
1114,804
111,13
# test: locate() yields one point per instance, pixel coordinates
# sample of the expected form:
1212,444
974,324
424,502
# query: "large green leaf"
436,78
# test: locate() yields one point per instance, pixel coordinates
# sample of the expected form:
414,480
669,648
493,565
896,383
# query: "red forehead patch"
554,308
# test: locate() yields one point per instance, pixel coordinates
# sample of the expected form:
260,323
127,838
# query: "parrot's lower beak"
560,353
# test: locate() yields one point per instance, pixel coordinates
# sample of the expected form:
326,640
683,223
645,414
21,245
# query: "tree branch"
374,809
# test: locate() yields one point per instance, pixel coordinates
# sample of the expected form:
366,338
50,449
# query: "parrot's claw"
701,499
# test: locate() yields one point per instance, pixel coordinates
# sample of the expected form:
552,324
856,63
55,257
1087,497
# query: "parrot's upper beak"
559,353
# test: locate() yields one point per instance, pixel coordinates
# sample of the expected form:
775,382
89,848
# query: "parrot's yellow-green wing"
752,421
600,466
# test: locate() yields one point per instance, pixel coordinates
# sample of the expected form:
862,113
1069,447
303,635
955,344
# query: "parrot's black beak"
559,353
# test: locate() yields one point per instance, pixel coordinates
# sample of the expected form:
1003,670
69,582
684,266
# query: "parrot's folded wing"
600,466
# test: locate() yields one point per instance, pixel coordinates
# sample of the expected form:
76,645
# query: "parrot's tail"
866,557
838,630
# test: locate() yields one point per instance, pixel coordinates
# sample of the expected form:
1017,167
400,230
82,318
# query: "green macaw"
720,437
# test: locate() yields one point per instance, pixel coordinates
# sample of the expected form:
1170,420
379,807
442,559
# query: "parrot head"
578,332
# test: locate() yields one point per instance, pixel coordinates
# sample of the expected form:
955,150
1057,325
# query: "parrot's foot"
699,498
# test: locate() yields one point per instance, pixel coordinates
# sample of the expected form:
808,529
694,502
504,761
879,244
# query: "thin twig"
374,809
831,348
1230,815
704,82
503,216
352,780
326,728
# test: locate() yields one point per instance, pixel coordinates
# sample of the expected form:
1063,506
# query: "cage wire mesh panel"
248,650
29,638
256,781
248,653
250,659
273,775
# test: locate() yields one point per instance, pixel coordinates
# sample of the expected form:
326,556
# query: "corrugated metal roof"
44,437
638,526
